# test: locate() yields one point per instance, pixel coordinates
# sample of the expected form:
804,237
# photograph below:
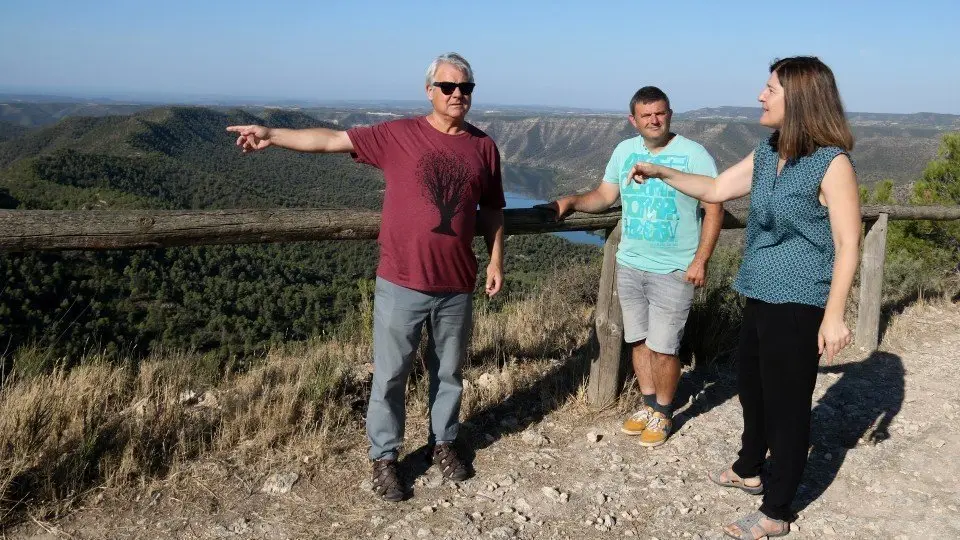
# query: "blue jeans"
398,319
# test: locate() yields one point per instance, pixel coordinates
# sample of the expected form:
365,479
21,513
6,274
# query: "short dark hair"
648,94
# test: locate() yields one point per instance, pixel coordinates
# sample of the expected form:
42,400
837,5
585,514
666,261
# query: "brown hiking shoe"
637,421
657,430
386,483
451,466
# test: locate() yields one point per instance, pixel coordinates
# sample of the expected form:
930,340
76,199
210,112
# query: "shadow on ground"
521,409
857,409
529,405
704,388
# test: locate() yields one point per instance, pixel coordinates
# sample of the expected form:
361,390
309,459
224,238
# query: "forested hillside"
234,301
228,301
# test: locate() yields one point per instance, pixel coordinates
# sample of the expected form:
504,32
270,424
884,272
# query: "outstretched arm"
594,201
321,140
732,183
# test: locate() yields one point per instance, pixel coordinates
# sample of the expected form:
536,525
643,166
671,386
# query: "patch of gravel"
882,465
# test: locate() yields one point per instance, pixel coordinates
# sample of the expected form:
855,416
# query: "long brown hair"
813,113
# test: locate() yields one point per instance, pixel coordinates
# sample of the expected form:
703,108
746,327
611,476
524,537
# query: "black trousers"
777,370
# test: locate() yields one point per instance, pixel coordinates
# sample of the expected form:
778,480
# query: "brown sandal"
386,483
451,466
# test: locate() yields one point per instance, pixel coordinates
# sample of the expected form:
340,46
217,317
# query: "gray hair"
454,60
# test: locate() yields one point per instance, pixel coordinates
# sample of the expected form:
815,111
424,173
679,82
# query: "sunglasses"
466,88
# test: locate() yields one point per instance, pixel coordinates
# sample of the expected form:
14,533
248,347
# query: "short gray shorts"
655,307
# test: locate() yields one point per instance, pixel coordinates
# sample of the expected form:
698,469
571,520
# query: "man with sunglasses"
663,253
438,169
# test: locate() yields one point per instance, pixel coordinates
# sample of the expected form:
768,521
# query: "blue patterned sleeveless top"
788,256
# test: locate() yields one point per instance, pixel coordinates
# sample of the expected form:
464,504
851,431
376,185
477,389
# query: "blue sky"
888,57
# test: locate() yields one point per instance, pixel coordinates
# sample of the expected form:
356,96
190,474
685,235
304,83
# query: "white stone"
534,438
551,492
487,380
280,483
523,506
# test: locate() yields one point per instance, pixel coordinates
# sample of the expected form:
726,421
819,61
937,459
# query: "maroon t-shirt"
435,182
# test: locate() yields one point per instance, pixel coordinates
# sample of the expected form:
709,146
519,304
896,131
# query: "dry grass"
63,433
66,433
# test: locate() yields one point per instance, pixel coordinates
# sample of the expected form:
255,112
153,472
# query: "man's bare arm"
317,140
597,200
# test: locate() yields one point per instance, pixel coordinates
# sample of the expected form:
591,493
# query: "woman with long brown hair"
799,259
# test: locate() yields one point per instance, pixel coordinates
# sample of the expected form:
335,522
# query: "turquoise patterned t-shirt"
661,226
788,253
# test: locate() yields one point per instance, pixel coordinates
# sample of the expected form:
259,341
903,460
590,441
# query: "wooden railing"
43,230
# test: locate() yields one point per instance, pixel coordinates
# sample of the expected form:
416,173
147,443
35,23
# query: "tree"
7,200
920,254
941,178
445,181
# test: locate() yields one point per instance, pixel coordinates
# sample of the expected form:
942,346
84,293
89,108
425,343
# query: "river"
523,186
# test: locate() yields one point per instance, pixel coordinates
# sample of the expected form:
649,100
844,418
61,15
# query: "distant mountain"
578,146
9,130
176,157
37,114
948,122
751,114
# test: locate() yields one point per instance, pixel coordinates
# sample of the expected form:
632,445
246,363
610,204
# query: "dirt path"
884,464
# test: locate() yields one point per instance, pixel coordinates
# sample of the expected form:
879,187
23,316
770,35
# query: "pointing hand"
252,138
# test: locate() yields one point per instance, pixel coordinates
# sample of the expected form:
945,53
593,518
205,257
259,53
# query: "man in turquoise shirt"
663,254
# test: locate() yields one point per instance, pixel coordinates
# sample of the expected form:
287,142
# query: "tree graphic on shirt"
444,180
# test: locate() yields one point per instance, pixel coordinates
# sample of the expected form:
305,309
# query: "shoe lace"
656,423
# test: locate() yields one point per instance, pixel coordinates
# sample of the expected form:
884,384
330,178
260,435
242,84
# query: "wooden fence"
45,230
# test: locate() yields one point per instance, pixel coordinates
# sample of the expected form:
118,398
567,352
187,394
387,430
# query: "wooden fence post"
603,386
871,284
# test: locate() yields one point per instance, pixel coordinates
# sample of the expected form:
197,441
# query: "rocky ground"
883,464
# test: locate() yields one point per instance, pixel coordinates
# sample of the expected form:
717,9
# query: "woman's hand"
642,171
833,337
